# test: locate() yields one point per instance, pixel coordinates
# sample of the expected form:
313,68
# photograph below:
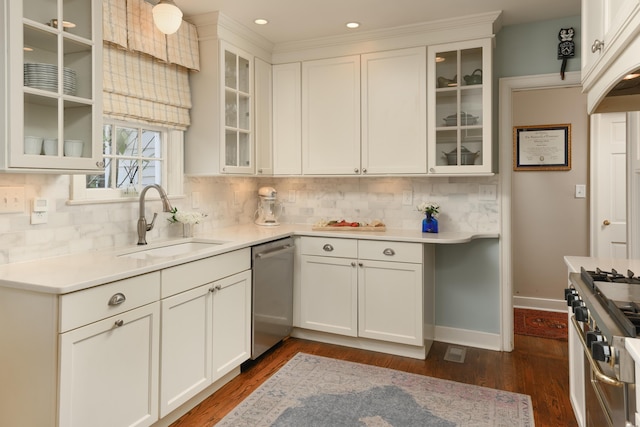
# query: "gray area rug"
314,391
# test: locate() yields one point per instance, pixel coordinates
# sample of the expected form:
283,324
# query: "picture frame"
542,148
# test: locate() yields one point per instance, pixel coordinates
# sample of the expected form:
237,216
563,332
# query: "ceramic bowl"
73,147
32,145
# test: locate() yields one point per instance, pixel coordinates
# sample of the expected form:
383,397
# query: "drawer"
327,246
390,251
192,274
93,304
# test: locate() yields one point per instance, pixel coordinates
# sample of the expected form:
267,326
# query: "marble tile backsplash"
73,228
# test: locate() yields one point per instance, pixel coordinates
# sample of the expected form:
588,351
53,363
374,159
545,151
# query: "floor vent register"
455,354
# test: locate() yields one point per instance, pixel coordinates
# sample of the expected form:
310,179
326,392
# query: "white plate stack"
45,77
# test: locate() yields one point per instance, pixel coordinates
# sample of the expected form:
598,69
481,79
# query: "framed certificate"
544,147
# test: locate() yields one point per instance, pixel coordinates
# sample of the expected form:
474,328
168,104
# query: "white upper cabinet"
287,121
263,77
52,100
331,116
237,152
394,111
609,45
459,108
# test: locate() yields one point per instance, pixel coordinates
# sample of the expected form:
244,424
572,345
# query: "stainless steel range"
606,312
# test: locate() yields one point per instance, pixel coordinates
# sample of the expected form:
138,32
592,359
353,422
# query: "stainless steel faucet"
143,227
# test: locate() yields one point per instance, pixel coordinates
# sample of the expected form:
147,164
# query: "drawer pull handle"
353,264
119,323
389,252
117,299
215,288
327,248
361,264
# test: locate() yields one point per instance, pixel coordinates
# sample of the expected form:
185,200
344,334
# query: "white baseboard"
540,304
469,338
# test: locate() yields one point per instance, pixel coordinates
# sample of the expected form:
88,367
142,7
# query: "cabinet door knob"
606,222
432,170
597,46
100,164
327,248
360,264
389,252
119,323
117,299
356,170
353,264
259,170
364,170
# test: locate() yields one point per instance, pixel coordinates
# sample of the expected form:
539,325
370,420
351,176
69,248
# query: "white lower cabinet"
109,371
206,329
186,347
329,295
390,301
362,288
231,323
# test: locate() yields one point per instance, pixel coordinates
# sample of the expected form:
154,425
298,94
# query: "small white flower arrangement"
186,217
429,208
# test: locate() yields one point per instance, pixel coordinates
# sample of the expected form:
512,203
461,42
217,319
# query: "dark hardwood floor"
537,367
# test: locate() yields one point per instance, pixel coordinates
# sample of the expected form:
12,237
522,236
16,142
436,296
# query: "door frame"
508,85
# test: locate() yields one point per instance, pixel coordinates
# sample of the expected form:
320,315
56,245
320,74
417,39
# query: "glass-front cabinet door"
54,103
237,148
459,108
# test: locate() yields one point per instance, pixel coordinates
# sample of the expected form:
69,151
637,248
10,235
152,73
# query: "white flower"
186,217
429,207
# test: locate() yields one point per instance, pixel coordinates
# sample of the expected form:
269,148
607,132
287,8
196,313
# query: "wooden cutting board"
333,228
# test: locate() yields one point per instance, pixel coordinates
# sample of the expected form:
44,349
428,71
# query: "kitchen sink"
171,250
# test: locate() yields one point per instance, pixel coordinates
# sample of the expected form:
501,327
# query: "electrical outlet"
407,198
487,192
11,199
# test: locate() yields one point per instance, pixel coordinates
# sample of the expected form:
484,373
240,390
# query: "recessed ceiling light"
27,49
353,24
261,21
439,59
631,76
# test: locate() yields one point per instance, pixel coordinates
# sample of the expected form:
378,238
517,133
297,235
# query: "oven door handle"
601,376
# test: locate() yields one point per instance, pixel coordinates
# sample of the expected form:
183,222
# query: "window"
134,156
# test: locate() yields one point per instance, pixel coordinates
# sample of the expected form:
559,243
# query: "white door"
231,323
329,295
609,222
394,111
390,301
109,371
185,368
331,116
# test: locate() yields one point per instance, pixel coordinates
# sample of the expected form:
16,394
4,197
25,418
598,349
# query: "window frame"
171,160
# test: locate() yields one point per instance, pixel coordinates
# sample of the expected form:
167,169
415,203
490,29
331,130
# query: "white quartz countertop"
74,272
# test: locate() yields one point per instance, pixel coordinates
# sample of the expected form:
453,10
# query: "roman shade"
145,73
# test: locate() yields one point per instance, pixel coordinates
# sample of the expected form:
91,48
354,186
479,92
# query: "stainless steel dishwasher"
272,310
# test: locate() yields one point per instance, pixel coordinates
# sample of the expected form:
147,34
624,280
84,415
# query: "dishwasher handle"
275,251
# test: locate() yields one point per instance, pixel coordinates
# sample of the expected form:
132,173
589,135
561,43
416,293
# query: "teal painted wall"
468,286
530,49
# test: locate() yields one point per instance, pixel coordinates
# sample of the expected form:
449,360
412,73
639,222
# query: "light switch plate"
581,191
487,192
11,199
407,198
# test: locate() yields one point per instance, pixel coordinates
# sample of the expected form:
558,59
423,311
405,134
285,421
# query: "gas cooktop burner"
610,276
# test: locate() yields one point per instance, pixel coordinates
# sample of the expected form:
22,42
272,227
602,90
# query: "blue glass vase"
429,224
